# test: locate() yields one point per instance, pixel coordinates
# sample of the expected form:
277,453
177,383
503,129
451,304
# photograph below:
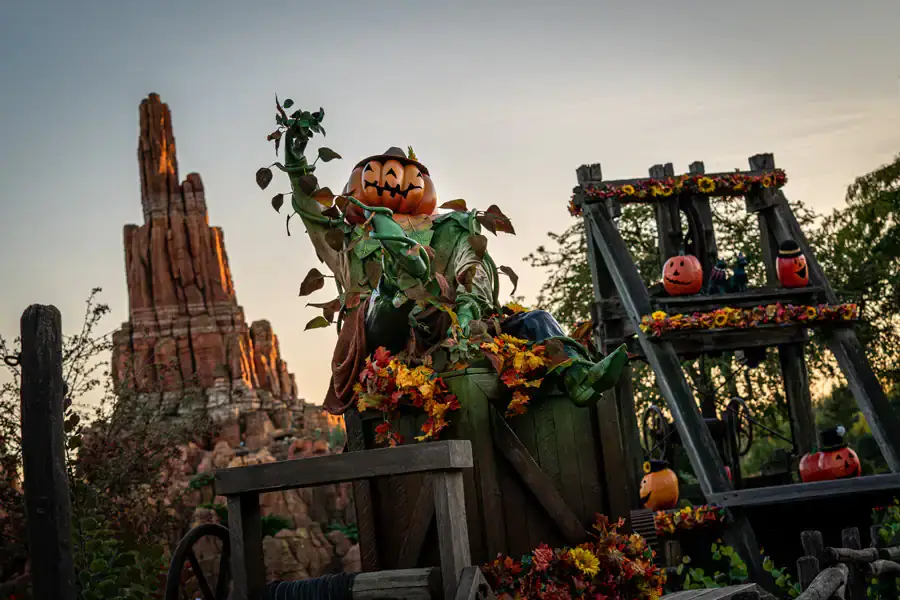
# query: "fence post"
856,579
47,506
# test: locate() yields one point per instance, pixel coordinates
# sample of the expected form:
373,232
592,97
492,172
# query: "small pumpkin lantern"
793,271
809,467
682,275
393,180
659,487
837,460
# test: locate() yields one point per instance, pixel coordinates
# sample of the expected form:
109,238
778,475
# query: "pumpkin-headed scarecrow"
404,265
659,486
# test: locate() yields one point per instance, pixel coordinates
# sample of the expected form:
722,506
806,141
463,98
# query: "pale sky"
502,100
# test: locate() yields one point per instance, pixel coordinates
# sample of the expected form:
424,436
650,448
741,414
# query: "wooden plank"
452,528
402,584
362,497
697,342
48,510
612,307
473,586
567,447
419,523
537,481
826,583
589,180
856,580
801,492
796,389
589,458
668,218
338,468
462,429
493,518
540,526
248,572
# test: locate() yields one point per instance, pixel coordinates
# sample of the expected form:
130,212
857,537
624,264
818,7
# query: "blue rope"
327,587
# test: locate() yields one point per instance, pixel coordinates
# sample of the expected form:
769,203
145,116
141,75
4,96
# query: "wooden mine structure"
621,300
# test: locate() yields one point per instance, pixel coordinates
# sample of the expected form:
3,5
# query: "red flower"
382,356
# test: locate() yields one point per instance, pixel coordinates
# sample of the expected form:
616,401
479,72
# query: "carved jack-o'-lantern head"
682,275
837,461
393,180
792,268
659,487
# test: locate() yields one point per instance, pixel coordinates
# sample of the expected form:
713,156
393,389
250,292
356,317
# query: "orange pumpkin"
394,181
659,487
682,275
835,461
793,272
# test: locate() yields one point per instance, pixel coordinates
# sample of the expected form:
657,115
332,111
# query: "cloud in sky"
502,100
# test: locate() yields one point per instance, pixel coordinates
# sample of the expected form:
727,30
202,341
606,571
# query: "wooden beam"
802,492
337,468
796,389
362,497
248,571
48,511
401,584
668,218
419,523
473,586
452,528
508,443
589,180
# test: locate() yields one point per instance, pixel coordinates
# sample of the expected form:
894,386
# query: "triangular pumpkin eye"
391,172
368,167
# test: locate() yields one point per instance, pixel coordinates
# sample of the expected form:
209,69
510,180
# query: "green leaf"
98,565
317,323
288,103
328,155
264,177
329,309
278,202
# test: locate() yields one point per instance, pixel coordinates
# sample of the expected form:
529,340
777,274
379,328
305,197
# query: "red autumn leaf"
329,309
323,196
313,281
332,212
351,300
501,221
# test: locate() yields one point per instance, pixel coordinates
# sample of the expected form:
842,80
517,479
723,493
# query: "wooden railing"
848,570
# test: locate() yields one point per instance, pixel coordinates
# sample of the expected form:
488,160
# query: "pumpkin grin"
393,190
677,281
802,272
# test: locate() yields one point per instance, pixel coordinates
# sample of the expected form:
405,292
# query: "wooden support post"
452,528
796,389
843,343
668,218
807,569
362,497
856,580
616,418
247,566
699,215
791,357
695,436
48,510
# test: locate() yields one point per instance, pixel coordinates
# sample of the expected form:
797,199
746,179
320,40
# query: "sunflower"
721,319
766,181
585,561
666,191
628,189
739,186
706,185
656,190
811,312
659,316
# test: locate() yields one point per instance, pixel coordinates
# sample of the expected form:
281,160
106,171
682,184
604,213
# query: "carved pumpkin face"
793,271
393,181
682,275
659,487
841,463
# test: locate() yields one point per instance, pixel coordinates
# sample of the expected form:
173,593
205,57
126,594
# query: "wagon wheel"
186,568
743,424
655,431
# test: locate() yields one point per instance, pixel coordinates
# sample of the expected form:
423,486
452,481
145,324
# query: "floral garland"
522,368
385,383
742,318
688,518
733,184
612,565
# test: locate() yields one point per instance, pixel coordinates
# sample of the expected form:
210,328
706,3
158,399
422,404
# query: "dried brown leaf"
458,205
313,281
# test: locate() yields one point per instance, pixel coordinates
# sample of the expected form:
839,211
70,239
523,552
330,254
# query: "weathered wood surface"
801,492
827,584
248,571
402,584
747,591
452,528
340,468
362,498
473,586
692,343
46,484
588,180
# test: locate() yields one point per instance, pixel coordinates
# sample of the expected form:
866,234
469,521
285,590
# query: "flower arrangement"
385,383
685,519
522,367
742,318
612,565
733,184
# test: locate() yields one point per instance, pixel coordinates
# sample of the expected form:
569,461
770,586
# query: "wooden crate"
537,478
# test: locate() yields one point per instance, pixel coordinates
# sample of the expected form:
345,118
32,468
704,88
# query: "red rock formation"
187,343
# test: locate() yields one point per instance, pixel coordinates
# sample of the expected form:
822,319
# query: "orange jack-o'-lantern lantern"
682,275
659,487
393,180
793,271
834,461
